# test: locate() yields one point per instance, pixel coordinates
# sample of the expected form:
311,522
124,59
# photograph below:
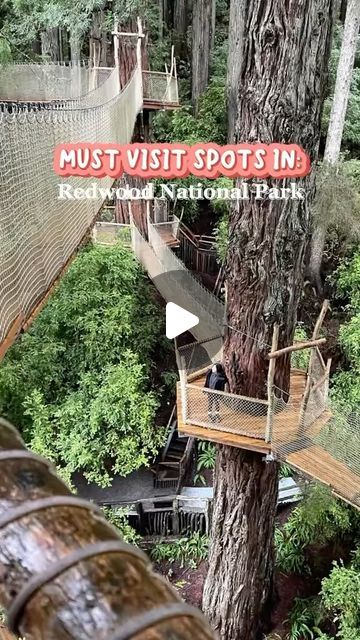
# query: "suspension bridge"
39,234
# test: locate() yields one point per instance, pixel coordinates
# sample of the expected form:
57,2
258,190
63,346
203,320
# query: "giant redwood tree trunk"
201,41
283,60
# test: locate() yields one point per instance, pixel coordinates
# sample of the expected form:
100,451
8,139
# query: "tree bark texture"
201,40
239,581
93,598
50,44
343,82
181,9
279,99
283,55
236,41
98,39
337,123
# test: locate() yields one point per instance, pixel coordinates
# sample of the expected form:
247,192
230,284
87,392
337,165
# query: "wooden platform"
295,446
158,105
250,432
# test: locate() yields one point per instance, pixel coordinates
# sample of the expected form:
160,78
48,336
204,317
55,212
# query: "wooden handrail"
297,346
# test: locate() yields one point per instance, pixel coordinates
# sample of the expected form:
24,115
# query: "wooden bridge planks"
322,466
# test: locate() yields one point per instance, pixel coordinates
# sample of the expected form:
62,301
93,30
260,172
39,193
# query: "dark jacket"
216,381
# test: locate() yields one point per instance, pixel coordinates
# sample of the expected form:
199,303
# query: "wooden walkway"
167,237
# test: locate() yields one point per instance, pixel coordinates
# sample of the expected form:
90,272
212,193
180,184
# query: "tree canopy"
80,381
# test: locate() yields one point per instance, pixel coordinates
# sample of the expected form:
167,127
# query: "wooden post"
307,391
116,54
176,519
270,386
141,517
138,52
326,389
183,388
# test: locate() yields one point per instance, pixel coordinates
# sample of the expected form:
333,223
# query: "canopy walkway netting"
45,82
39,232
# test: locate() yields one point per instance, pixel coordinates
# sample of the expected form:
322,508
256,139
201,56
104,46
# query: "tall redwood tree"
276,96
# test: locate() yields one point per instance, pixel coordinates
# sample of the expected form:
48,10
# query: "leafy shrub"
205,459
285,471
188,551
305,618
341,597
300,359
118,516
78,382
319,519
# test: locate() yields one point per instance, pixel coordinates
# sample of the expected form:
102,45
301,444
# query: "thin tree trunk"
180,27
336,123
343,7
279,97
236,41
213,25
50,44
201,33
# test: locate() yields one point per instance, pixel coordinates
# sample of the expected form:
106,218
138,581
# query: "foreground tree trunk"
105,591
336,124
201,42
283,59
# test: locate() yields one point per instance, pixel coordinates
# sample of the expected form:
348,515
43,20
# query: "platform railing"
160,87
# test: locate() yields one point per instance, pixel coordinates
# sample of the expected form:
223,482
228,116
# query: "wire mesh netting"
39,232
43,82
205,302
160,87
197,357
225,411
109,233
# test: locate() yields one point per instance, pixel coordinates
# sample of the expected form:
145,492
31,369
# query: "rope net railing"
110,233
51,81
206,303
160,87
39,232
174,282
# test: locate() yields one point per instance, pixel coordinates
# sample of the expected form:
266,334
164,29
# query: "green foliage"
78,382
118,516
221,233
337,199
346,387
305,618
341,597
318,519
300,359
205,459
5,51
208,125
285,471
187,551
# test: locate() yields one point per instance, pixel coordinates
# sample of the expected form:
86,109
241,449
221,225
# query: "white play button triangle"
178,320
